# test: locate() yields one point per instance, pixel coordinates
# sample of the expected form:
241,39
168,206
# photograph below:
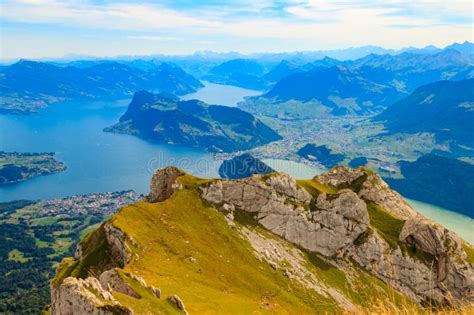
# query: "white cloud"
154,38
250,27
128,16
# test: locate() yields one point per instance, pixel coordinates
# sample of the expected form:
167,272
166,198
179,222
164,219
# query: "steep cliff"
266,243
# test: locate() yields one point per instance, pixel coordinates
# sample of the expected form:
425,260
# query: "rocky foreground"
267,243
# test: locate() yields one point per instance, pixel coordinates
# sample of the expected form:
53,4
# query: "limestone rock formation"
164,183
428,262
283,207
117,244
349,220
370,186
113,282
84,296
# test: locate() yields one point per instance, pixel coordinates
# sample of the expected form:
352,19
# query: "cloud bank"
180,27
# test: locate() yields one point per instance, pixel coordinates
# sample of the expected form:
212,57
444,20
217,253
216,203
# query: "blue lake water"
98,161
221,94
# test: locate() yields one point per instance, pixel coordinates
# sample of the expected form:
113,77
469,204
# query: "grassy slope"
226,277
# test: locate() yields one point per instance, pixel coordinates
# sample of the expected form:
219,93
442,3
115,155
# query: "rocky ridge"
427,262
338,218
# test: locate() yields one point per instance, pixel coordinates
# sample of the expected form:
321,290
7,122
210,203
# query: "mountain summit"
267,244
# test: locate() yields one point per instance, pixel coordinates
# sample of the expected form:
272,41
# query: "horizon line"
80,56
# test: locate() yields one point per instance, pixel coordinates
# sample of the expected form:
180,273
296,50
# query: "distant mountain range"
245,73
239,70
363,80
364,86
164,118
209,59
28,85
408,71
283,69
445,108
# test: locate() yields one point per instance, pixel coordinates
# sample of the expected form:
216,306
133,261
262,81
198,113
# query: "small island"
16,167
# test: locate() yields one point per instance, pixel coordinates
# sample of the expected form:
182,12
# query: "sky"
55,28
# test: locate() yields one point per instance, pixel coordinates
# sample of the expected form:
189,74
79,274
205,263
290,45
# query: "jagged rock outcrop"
428,262
441,277
283,207
84,296
93,295
113,282
370,186
118,247
453,272
176,300
164,183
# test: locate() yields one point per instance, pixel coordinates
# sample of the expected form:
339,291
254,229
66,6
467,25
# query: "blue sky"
54,28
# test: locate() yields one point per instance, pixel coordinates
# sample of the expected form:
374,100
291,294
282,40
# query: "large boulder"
164,183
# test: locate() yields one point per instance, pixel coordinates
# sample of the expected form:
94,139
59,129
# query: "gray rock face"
444,278
402,272
113,282
338,225
117,245
164,183
453,272
283,207
83,297
369,186
176,300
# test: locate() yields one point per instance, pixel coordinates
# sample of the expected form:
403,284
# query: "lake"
218,94
98,161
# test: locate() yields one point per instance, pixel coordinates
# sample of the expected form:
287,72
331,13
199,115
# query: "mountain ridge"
28,86
164,118
155,255
444,108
